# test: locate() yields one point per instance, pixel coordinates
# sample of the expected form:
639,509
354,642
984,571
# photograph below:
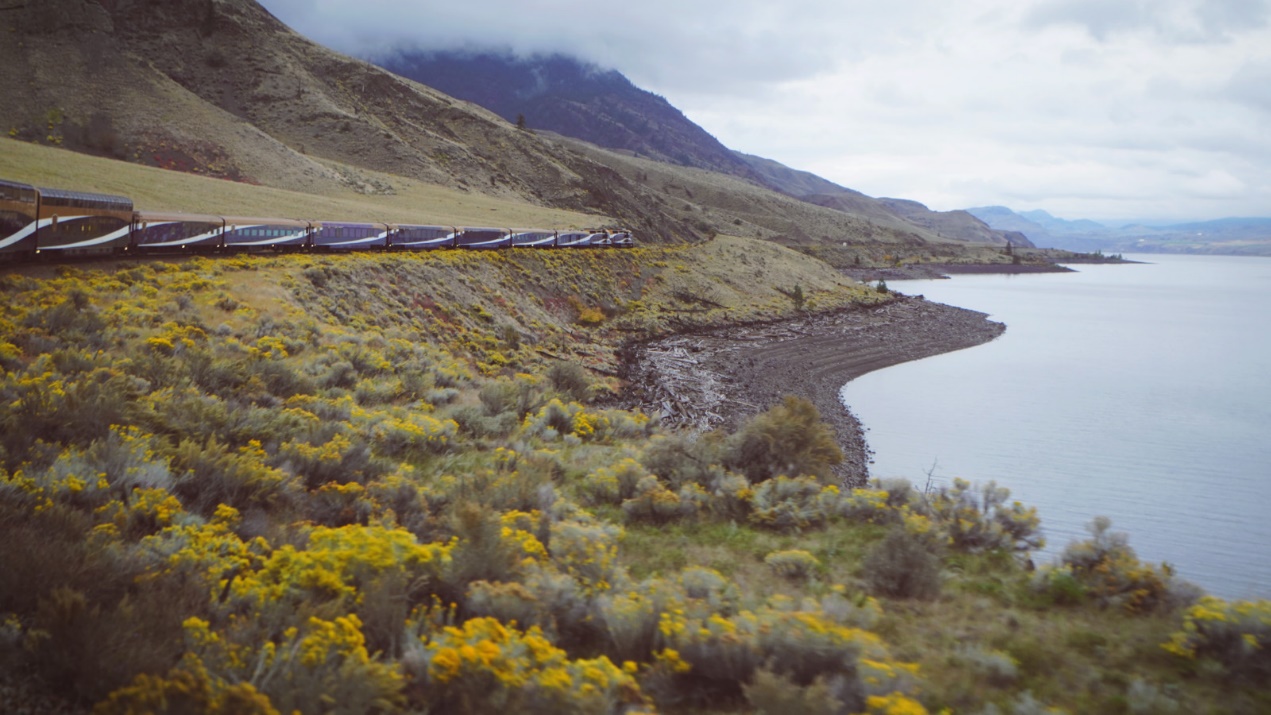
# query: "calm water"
1139,392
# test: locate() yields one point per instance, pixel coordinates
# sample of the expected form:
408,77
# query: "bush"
485,666
795,564
413,435
788,439
655,504
772,694
1237,635
993,666
1110,572
487,549
787,504
520,396
615,484
902,565
570,380
681,459
980,520
209,474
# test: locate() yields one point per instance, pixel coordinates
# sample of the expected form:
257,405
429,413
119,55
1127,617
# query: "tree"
520,122
790,439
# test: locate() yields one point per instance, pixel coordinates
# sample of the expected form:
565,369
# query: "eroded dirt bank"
719,377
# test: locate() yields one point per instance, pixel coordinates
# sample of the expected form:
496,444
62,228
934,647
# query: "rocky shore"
919,271
721,376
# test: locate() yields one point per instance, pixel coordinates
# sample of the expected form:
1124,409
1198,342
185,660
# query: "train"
40,223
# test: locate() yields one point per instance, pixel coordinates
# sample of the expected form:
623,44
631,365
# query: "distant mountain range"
1234,236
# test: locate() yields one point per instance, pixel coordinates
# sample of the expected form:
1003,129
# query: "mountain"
1059,225
574,98
222,88
566,96
1236,236
791,181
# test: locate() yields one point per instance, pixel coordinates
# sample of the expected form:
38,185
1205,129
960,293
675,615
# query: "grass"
154,189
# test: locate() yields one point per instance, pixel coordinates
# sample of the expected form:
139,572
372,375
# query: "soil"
718,378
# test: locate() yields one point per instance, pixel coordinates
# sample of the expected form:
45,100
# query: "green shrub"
614,484
519,395
1110,572
655,504
588,552
1236,634
981,520
786,504
209,474
681,459
795,564
902,565
483,552
770,693
991,666
788,440
570,380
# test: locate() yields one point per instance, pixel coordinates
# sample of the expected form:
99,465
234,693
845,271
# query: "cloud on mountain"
1087,108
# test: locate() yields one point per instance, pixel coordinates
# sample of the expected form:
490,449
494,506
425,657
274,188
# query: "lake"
1140,392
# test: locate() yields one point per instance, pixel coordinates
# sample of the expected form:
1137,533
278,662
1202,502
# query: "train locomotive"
44,222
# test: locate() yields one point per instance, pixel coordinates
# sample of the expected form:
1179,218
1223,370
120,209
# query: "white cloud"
1087,108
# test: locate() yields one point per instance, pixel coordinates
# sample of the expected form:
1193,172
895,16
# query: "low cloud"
1097,109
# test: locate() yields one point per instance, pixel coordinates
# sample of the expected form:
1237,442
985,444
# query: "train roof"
15,186
243,221
85,198
173,216
349,223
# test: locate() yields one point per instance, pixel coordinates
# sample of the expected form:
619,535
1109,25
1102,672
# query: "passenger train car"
36,221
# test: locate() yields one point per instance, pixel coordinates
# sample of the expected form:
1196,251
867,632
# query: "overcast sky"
1102,109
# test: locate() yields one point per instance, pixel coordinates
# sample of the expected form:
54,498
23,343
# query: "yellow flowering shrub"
309,668
413,435
1236,634
483,665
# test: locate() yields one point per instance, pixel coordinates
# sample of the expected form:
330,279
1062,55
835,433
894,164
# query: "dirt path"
720,377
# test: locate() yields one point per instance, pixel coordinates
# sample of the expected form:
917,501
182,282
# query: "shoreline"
718,377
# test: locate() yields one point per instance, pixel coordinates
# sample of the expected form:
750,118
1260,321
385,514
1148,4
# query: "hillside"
564,96
399,481
851,230
569,97
241,96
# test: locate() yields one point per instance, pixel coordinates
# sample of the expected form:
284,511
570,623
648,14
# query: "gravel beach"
721,376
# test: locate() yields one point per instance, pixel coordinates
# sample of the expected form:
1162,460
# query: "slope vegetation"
395,483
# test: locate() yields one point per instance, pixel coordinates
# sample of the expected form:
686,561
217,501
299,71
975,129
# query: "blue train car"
344,236
533,238
416,238
81,223
485,238
174,232
246,233
581,239
19,218
621,238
